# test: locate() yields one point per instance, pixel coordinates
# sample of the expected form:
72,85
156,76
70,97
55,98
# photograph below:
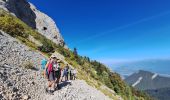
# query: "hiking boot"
58,87
51,92
46,90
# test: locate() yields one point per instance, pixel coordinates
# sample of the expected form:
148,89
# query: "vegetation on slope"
102,74
93,72
16,28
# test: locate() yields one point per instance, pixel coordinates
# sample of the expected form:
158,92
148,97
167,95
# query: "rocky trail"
77,90
17,84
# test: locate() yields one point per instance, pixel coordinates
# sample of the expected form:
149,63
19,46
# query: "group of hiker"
55,74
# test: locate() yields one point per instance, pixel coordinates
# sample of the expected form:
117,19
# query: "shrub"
28,65
11,26
46,48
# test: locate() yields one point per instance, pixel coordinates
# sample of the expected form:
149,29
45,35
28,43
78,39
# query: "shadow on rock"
23,11
64,84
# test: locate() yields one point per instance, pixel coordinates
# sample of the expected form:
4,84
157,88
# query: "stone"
25,97
14,89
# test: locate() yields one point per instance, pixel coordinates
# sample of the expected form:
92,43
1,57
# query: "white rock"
25,97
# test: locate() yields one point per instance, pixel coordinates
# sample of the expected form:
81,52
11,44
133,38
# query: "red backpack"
50,68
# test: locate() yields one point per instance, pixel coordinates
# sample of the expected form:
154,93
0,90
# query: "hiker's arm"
46,66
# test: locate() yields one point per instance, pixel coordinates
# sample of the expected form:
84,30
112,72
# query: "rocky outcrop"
47,26
34,18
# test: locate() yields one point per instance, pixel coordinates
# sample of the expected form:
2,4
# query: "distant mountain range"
160,94
157,66
154,84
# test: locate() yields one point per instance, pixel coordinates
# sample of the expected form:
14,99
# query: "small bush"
47,47
28,65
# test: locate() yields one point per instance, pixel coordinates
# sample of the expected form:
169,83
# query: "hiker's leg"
61,79
49,87
67,77
53,85
49,84
57,80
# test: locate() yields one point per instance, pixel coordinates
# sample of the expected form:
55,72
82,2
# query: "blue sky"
113,30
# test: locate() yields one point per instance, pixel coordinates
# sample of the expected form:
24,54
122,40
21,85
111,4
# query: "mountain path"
76,90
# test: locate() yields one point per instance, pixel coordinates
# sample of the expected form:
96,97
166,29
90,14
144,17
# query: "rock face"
34,18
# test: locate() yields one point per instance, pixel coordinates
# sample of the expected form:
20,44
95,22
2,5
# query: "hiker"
57,72
70,74
43,64
74,74
50,75
62,74
67,72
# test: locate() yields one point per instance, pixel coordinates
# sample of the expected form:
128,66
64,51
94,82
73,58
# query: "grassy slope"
95,73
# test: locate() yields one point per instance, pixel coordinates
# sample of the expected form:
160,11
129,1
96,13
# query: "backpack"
43,63
50,68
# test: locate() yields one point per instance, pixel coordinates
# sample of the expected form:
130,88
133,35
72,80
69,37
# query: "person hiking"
50,75
57,73
71,74
74,74
66,72
43,64
62,74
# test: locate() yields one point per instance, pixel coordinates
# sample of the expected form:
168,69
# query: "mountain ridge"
154,84
160,66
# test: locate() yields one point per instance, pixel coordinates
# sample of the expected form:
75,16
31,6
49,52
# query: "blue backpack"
43,63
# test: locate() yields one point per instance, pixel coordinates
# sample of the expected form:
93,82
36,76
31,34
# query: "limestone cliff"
28,13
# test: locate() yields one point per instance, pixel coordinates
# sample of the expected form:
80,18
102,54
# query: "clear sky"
113,30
